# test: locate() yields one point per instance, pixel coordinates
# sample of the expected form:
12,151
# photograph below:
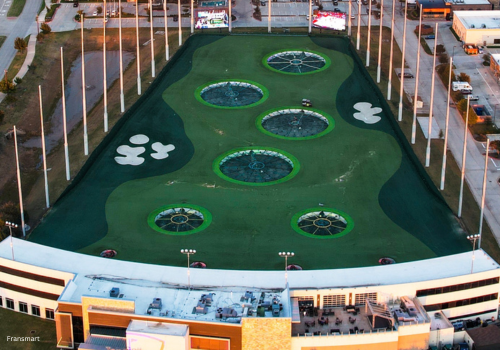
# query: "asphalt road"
20,27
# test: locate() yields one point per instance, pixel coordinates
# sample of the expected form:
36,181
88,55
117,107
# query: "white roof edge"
409,272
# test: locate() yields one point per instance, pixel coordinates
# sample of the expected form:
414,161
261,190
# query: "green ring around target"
328,62
265,93
295,223
295,168
207,219
331,124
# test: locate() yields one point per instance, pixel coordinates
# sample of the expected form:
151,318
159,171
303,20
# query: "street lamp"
473,239
286,255
188,252
11,225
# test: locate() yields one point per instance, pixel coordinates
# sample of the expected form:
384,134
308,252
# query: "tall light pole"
483,196
473,239
153,72
415,96
428,149
349,21
11,225
464,156
138,53
445,146
358,34
269,17
379,63
104,69
44,153
84,97
369,33
66,150
19,187
310,17
188,252
286,255
180,21
391,54
192,15
401,88
167,50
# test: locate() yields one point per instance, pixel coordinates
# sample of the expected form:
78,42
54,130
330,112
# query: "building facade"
477,27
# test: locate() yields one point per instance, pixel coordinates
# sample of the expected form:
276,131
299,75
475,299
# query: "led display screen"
329,20
212,19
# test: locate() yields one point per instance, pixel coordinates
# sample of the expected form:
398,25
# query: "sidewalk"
475,159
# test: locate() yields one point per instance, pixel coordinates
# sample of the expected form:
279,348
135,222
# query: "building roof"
496,57
432,4
479,19
416,271
468,2
487,337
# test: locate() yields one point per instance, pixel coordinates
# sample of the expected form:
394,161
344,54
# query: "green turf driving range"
361,167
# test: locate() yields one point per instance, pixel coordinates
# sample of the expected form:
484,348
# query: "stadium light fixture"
188,252
286,255
473,239
11,225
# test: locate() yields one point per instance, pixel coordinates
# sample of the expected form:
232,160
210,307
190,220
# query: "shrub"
45,28
440,49
99,9
18,80
464,77
2,116
462,108
20,44
7,86
443,58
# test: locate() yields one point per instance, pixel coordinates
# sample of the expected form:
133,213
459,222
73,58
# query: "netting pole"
122,95
415,97
379,65
269,17
349,24
19,188
401,88
44,153
180,21
358,34
167,49
65,131
445,147
84,97
310,16
389,83
138,58
428,149
464,156
484,192
369,33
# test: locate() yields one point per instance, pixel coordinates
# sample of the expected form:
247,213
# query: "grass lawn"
359,169
16,8
16,324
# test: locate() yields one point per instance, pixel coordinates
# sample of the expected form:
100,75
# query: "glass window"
23,307
1,301
49,313
10,303
35,310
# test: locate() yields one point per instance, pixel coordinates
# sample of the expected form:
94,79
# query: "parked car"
262,3
480,49
473,98
75,4
466,91
335,3
94,13
406,75
336,9
175,18
113,13
432,36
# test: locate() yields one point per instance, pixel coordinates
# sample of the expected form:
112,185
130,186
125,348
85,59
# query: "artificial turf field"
362,170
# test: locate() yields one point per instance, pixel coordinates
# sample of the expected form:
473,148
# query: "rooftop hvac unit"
472,26
114,292
483,25
156,304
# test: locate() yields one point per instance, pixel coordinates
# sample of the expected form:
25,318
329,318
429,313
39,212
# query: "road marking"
493,93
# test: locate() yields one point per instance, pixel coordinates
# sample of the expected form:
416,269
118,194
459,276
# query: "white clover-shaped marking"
139,139
131,155
161,150
367,112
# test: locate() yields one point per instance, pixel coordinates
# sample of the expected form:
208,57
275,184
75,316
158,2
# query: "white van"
461,85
